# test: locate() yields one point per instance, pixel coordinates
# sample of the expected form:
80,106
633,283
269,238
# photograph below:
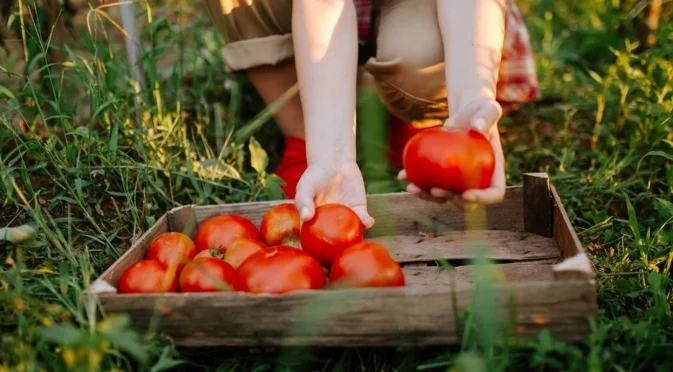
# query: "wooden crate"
548,281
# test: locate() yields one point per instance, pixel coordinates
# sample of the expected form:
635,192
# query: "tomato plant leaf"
216,169
61,334
258,156
165,363
664,207
117,330
469,361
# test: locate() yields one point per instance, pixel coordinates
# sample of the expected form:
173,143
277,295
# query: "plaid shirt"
517,79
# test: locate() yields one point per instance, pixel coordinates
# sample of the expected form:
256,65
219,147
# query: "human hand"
324,183
481,114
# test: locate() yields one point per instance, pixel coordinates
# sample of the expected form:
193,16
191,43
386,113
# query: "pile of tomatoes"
229,253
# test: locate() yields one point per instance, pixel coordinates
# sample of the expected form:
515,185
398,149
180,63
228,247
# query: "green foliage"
89,159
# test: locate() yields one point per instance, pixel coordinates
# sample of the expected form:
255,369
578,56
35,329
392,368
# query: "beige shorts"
407,65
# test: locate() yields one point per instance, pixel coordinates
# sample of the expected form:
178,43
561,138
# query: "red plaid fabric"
517,80
364,11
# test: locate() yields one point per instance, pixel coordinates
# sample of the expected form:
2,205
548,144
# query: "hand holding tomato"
332,183
333,228
481,115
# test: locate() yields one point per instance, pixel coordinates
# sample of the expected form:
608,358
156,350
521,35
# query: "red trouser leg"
292,165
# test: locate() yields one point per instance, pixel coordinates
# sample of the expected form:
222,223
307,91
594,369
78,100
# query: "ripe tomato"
219,232
278,270
207,274
366,264
241,249
280,225
171,248
204,253
147,276
333,228
453,160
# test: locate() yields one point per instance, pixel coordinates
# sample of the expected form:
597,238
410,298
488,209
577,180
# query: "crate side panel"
135,253
576,264
398,213
460,245
539,271
405,214
182,219
388,317
538,207
564,233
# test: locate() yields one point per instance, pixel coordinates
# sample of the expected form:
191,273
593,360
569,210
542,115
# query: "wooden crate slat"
538,211
369,317
537,271
457,245
395,213
577,265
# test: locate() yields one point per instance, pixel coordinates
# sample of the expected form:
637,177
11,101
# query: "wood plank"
564,234
463,275
537,204
403,213
183,219
399,213
364,317
461,245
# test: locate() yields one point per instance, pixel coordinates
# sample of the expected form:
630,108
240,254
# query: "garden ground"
88,161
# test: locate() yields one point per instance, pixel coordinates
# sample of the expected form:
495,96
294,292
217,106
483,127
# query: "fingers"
491,195
363,214
402,176
480,115
422,194
486,116
304,200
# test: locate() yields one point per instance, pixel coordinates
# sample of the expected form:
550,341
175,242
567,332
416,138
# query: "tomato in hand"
147,276
449,159
171,249
219,232
207,274
333,228
366,264
280,225
279,269
241,249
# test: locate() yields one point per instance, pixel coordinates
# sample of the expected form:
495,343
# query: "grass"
88,161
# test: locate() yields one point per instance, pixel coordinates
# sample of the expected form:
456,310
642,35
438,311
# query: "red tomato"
280,225
204,253
333,228
366,264
241,249
207,274
454,160
147,276
220,231
171,248
278,270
